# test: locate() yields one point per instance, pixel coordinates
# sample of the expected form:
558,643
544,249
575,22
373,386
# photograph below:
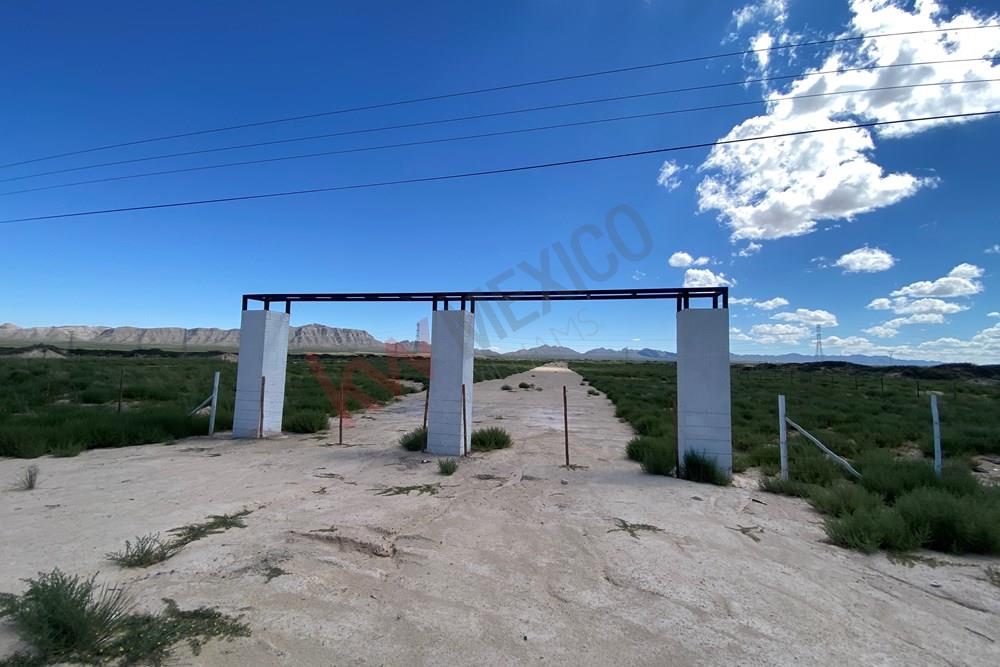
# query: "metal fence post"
782,437
937,435
215,403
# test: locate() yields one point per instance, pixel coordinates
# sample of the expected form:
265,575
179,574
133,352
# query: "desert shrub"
67,619
592,392
867,531
766,457
882,473
787,487
659,457
490,438
415,440
637,446
525,385
447,466
697,467
507,387
956,524
145,551
62,616
812,467
305,421
28,479
66,449
844,497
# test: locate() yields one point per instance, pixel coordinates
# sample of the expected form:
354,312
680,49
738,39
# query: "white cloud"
993,314
891,328
750,249
681,259
993,249
784,187
810,317
771,304
668,174
767,10
904,306
736,334
638,275
743,301
960,281
761,43
767,334
706,278
982,347
866,260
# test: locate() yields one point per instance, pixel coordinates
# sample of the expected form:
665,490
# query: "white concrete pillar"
263,353
452,352
704,404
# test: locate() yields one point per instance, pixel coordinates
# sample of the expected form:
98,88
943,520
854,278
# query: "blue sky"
889,238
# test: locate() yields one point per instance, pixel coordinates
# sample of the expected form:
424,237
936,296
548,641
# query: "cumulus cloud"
742,301
681,259
751,248
904,306
866,260
784,187
993,314
993,249
668,174
982,347
960,281
768,334
775,11
706,278
810,317
891,328
771,304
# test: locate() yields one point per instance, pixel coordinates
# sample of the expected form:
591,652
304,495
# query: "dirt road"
512,560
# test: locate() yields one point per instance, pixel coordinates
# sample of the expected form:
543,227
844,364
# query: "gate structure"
703,392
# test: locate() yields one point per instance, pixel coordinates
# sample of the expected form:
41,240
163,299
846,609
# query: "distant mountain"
309,337
860,359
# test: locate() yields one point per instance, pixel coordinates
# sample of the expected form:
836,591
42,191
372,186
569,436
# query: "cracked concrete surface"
510,562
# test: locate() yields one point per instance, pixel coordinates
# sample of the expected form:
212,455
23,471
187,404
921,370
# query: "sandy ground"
515,560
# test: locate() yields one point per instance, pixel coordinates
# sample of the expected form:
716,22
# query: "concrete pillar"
452,351
263,353
704,404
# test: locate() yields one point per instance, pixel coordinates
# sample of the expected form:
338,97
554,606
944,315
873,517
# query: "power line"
511,86
488,172
426,142
493,114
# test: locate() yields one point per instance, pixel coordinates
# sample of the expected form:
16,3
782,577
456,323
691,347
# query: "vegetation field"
62,406
879,418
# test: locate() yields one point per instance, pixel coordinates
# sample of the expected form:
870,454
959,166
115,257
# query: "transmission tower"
819,342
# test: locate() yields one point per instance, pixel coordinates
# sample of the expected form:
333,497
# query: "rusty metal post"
427,398
260,423
341,439
566,425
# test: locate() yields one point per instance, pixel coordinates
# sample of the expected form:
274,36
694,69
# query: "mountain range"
322,338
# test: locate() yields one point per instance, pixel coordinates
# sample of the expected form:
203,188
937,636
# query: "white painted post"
215,402
937,435
782,437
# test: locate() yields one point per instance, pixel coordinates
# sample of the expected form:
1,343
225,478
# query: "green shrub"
507,387
415,440
882,473
637,446
812,467
525,385
592,392
867,531
493,437
842,498
787,487
659,457
697,467
447,466
309,421
145,551
955,524
62,615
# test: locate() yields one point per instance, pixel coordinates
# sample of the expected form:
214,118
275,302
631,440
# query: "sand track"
511,560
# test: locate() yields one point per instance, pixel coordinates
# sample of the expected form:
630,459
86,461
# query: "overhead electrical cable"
510,86
492,114
426,142
489,172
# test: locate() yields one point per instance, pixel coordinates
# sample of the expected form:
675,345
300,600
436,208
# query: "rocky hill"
309,337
